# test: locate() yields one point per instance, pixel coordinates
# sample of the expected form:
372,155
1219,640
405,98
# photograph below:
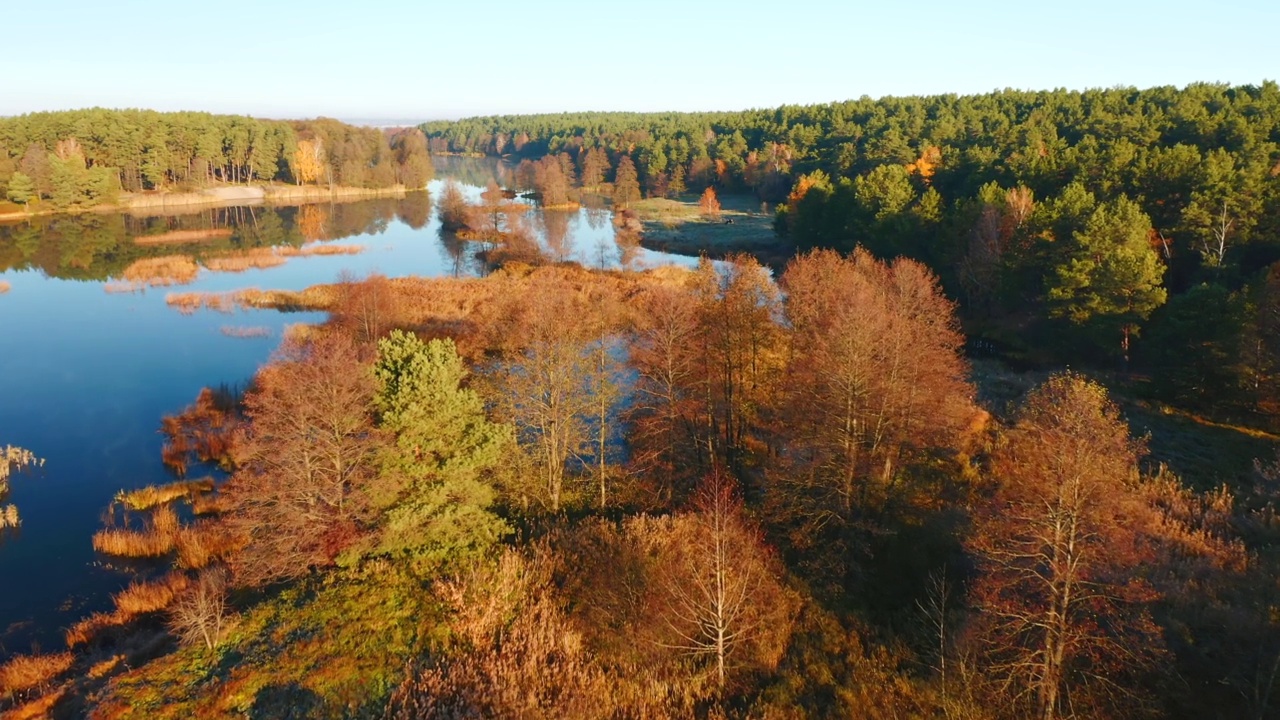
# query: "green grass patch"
678,226
329,647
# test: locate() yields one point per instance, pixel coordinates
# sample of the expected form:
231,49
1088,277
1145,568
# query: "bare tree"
201,615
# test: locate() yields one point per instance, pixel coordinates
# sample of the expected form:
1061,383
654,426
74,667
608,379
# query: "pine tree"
626,185
22,189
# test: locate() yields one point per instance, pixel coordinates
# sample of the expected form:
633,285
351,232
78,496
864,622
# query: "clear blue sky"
406,59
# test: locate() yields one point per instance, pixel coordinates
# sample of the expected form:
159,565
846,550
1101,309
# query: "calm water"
86,374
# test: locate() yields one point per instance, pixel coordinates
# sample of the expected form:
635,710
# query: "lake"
93,359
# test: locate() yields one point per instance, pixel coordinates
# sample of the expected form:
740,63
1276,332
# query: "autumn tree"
739,344
310,161
877,378
413,164
551,183
626,183
595,165
454,208
717,586
364,307
542,381
664,415
303,461
1064,619
436,488
708,205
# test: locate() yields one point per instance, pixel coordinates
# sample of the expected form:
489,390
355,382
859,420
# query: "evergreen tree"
1112,277
437,500
626,185
22,189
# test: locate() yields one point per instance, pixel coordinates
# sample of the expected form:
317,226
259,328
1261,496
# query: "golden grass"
141,598
9,516
121,288
306,250
88,628
162,271
5,286
189,302
202,543
38,709
150,496
209,504
99,670
174,237
246,331
156,539
248,261
24,672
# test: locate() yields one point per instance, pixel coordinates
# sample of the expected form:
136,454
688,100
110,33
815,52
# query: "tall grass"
141,598
199,545
157,538
88,628
162,271
27,672
248,260
9,516
208,504
150,496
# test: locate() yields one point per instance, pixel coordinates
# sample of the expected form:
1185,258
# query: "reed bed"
250,260
25,672
246,331
141,598
209,504
156,539
201,544
101,669
326,249
123,287
38,709
5,287
189,302
9,517
177,237
162,271
150,496
88,628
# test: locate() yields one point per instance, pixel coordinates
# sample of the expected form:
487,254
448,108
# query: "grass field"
678,226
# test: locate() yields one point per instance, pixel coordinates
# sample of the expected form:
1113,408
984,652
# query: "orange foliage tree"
1063,617
708,204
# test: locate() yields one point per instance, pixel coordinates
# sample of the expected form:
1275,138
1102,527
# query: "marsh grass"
157,538
150,496
208,504
202,543
250,260
143,597
9,517
39,709
162,271
27,672
178,237
88,628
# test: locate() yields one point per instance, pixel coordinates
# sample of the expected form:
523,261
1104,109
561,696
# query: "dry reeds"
38,709
9,516
5,286
26,672
141,598
189,302
249,260
162,271
99,670
306,250
88,628
150,496
176,237
209,504
202,543
246,331
154,540
123,287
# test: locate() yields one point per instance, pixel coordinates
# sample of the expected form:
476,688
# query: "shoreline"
222,196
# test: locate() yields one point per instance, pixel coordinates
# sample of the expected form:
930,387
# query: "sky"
406,60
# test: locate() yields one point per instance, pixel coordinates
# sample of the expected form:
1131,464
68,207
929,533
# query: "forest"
82,158
1126,228
997,441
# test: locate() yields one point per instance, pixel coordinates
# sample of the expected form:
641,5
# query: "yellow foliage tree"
310,160
929,162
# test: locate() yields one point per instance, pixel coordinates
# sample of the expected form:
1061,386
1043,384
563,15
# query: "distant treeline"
82,158
1068,223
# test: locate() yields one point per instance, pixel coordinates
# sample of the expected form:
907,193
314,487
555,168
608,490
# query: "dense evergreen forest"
1104,226
81,158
